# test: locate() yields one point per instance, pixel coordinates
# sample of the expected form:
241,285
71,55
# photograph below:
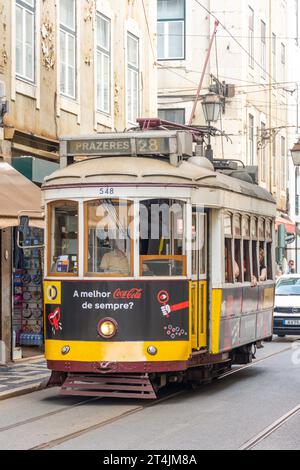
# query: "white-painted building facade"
257,50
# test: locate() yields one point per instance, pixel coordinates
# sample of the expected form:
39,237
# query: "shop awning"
290,226
17,194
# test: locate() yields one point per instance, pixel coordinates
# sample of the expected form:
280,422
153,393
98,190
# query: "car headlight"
107,328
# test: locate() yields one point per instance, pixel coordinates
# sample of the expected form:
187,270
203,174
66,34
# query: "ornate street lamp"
295,151
212,106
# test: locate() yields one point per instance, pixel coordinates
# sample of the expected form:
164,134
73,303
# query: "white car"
287,306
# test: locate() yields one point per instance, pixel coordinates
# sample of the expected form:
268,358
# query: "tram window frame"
130,221
51,206
254,247
261,229
228,248
143,259
237,245
199,251
269,249
246,253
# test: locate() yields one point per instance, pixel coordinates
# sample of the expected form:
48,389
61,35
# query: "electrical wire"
234,38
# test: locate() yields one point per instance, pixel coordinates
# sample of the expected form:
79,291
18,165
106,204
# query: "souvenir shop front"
21,272
27,315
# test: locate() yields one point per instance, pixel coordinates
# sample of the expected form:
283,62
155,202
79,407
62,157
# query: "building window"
171,29
251,38
263,48
133,78
251,140
274,52
68,48
263,159
283,60
25,39
283,164
172,115
103,64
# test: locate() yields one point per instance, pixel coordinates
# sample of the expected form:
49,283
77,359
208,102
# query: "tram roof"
139,170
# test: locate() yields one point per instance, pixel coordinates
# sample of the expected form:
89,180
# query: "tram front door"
198,285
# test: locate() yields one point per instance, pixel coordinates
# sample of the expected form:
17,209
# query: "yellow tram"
158,267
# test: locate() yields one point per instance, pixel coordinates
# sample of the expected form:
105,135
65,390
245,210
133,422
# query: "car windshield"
288,286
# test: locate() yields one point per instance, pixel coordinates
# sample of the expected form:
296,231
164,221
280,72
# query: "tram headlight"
152,350
107,328
65,350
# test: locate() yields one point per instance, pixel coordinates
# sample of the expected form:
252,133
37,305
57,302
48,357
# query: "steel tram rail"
55,442
254,441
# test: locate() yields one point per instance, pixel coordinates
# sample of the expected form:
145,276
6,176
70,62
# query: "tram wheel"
268,340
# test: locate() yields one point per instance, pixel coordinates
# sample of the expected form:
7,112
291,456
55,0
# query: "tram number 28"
106,191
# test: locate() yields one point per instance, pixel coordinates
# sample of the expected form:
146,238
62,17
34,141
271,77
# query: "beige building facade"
68,67
73,67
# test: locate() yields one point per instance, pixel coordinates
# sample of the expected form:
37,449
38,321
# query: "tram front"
119,263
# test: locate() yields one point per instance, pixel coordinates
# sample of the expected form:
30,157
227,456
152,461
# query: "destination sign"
99,146
113,146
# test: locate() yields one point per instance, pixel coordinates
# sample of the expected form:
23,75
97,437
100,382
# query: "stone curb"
25,390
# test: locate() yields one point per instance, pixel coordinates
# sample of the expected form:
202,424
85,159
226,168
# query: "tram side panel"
241,316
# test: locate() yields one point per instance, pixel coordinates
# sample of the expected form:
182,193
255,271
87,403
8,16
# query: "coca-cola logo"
128,294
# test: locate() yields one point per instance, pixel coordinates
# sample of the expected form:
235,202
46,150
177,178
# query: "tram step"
125,386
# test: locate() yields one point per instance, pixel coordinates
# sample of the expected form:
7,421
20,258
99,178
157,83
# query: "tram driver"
115,261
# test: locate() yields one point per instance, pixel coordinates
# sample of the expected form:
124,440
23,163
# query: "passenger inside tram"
115,261
262,266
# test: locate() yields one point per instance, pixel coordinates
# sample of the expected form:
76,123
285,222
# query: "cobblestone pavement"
25,375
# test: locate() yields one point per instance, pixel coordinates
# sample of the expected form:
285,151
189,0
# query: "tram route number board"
109,146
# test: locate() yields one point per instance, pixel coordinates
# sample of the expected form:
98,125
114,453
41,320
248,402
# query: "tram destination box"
160,143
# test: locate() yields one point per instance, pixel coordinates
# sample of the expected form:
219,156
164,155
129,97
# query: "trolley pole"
203,73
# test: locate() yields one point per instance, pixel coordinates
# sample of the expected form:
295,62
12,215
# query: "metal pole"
296,190
203,73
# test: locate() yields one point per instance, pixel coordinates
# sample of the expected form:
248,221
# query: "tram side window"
63,226
254,242
269,262
237,261
228,261
198,242
108,245
247,265
229,278
254,259
238,267
262,262
246,248
269,237
162,238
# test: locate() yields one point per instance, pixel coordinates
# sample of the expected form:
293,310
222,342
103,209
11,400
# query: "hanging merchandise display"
28,294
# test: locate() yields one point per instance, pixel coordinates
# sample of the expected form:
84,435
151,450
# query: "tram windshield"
63,221
108,238
162,246
118,240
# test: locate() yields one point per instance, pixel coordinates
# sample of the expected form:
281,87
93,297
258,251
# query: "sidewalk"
24,377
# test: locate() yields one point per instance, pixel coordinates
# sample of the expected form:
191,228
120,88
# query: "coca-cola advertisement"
142,310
